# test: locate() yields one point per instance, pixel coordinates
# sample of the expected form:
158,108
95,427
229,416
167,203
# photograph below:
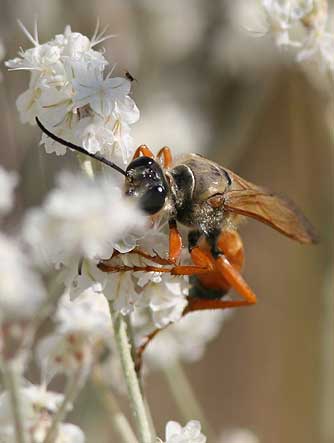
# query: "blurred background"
206,82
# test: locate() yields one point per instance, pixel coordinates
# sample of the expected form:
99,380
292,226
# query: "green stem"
135,396
72,389
133,354
185,397
12,385
119,422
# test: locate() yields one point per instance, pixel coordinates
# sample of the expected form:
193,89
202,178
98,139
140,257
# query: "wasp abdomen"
197,290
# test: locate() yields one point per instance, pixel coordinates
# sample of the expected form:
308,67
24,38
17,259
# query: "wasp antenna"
70,145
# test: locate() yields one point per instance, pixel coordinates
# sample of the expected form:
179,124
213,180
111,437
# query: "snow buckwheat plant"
91,275
308,23
85,225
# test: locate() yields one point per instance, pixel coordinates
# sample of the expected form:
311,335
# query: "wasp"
210,200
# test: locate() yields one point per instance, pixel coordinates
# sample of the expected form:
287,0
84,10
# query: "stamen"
27,33
36,30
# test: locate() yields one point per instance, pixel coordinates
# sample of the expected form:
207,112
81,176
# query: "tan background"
249,107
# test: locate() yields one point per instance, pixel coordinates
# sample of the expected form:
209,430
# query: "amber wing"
280,213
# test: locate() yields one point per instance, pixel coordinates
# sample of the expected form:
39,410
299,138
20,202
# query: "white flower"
51,145
120,288
82,324
319,44
166,297
42,58
70,94
96,135
28,105
69,433
282,15
75,47
8,181
38,406
34,400
80,218
100,93
191,433
21,290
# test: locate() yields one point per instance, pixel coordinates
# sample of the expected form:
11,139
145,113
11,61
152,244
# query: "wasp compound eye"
140,162
153,200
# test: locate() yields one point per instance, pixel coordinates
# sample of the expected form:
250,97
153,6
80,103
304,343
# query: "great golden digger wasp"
210,200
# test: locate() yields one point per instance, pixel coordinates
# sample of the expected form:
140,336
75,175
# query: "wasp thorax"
146,181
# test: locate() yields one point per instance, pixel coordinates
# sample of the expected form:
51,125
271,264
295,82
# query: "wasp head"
146,181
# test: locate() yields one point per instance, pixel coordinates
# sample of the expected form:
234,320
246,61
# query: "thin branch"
12,385
134,392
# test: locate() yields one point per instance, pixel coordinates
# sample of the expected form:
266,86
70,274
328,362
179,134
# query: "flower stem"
135,396
131,337
119,421
11,383
72,389
185,397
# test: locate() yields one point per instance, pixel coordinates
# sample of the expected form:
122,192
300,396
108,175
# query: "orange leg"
166,155
200,304
143,150
153,258
176,270
175,243
140,350
230,244
104,267
174,249
204,263
235,279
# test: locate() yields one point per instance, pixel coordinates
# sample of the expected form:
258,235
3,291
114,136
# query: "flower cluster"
191,433
80,218
38,407
18,282
285,17
73,96
91,236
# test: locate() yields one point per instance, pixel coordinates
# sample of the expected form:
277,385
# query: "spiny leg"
175,242
143,150
105,267
176,270
141,349
174,247
200,304
166,155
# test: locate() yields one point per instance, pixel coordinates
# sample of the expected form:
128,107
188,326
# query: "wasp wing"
278,212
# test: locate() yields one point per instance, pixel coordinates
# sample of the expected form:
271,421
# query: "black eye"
140,162
153,200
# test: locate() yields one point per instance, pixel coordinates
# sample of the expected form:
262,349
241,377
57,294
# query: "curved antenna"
79,148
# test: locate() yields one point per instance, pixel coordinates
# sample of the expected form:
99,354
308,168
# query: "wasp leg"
141,349
203,264
235,279
153,258
104,267
144,150
166,155
174,248
230,244
200,304
175,242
